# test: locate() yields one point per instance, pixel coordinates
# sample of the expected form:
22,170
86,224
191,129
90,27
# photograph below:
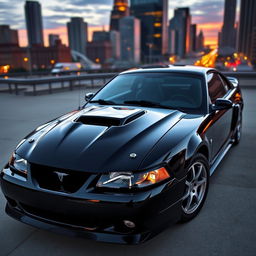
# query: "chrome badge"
133,155
61,176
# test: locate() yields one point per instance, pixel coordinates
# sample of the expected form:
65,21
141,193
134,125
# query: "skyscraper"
77,34
120,10
115,42
228,35
200,41
193,38
246,44
180,23
153,15
34,23
130,39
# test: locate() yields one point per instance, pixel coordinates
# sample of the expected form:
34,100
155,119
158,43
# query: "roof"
171,68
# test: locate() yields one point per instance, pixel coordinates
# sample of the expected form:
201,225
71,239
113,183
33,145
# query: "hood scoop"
110,116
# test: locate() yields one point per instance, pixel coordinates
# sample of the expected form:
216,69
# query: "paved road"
225,226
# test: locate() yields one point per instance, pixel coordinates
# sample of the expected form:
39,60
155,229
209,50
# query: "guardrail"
60,81
47,72
14,84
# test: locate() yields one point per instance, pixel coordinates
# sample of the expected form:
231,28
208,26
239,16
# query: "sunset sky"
208,14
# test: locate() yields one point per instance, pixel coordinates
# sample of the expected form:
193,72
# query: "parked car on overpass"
137,157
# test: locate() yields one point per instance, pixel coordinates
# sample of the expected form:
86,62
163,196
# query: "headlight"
132,180
18,164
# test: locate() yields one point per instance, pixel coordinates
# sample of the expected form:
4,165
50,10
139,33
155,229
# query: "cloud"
89,2
9,14
202,11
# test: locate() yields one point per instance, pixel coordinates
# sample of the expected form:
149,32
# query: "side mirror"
233,80
221,104
88,96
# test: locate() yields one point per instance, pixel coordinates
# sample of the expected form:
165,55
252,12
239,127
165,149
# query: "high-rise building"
153,15
193,38
8,36
130,32
180,23
247,26
172,41
200,41
120,10
34,23
228,35
253,54
99,36
99,51
77,34
53,39
115,42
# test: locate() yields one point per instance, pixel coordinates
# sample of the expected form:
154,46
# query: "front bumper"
100,219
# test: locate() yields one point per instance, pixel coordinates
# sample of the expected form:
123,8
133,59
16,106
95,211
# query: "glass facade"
153,17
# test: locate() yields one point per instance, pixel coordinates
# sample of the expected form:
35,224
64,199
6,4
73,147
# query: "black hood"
99,139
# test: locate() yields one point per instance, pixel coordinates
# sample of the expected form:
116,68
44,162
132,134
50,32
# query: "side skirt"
220,156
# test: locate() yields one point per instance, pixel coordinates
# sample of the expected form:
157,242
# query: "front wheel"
196,187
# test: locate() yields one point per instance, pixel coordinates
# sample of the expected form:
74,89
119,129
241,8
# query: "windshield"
170,90
58,65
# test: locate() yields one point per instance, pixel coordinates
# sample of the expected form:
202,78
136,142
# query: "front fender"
176,147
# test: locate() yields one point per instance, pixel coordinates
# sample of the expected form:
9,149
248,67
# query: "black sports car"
135,158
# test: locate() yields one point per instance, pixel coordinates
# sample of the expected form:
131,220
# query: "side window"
216,87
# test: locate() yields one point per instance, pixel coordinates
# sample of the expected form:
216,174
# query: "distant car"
137,157
65,68
244,67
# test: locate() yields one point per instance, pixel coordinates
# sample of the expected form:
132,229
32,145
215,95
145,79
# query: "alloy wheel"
196,184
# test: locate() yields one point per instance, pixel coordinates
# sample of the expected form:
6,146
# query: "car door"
219,131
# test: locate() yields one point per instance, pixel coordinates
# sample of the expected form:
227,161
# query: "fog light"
129,224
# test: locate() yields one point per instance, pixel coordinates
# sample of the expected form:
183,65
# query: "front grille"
61,217
58,179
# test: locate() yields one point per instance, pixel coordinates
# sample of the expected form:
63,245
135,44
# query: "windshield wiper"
103,102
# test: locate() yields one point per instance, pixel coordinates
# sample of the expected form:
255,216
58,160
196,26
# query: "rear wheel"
238,132
196,187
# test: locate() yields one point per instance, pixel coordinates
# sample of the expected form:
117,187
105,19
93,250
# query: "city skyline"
97,13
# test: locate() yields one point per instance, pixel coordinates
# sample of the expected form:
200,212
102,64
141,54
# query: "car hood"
99,138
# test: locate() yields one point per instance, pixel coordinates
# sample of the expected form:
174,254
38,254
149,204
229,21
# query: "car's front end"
79,204
116,170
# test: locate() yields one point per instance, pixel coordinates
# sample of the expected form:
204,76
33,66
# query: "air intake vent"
111,116
99,120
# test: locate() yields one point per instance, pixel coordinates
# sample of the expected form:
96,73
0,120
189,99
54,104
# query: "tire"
238,132
196,187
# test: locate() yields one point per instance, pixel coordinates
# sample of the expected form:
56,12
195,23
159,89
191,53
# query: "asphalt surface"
225,226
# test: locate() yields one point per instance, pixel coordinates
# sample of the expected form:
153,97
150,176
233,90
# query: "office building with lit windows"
153,15
130,39
120,10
